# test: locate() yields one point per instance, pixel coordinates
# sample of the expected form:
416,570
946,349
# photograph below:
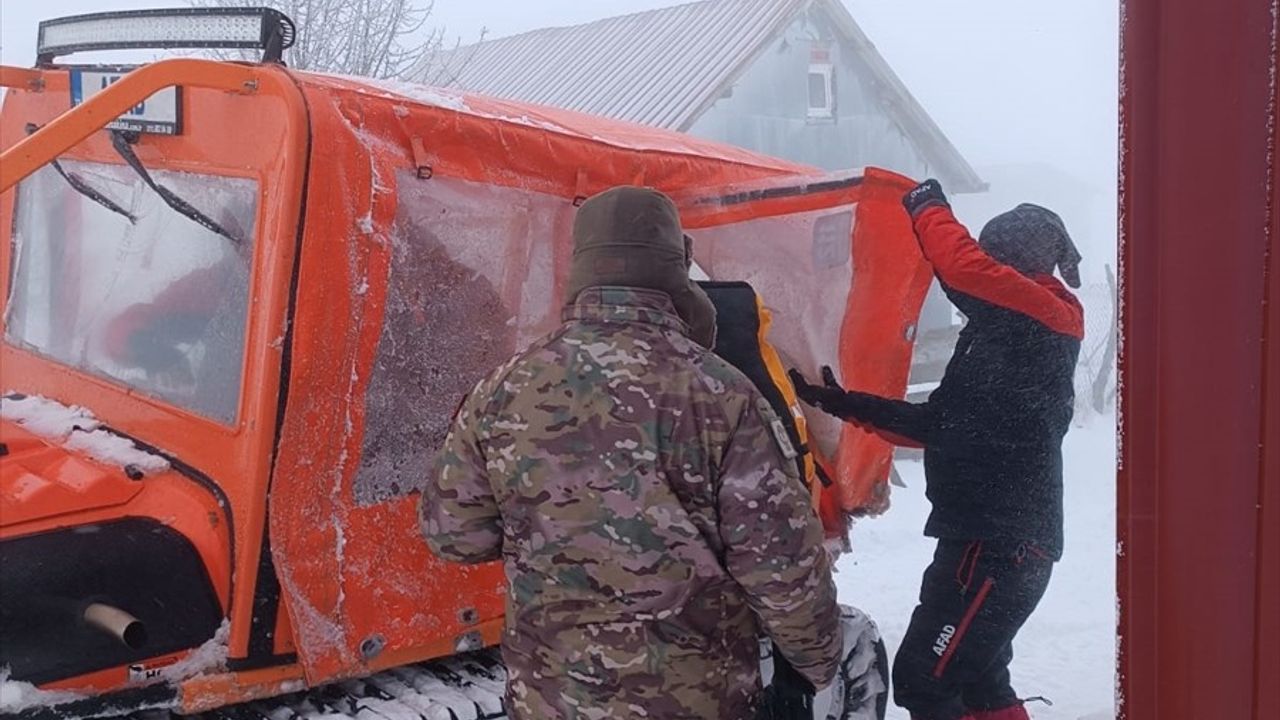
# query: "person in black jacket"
992,436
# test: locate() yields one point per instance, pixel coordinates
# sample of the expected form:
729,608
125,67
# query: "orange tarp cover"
490,187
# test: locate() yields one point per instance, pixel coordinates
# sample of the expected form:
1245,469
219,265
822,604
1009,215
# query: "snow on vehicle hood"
77,430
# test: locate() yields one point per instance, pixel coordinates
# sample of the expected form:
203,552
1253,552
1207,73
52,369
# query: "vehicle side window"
471,281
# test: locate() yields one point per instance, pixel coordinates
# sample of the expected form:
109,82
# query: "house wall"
766,109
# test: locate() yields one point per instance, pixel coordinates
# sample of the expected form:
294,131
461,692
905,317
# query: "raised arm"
964,267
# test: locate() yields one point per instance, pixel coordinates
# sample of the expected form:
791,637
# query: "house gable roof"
666,67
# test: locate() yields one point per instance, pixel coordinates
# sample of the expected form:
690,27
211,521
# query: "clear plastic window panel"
472,281
801,266
158,303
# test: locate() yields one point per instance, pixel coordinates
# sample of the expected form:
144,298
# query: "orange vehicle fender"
45,488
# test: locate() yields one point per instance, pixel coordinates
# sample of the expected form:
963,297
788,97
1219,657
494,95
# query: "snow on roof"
435,97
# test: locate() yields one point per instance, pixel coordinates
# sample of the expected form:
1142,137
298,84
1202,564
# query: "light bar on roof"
260,28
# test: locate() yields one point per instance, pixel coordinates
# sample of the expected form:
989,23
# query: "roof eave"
939,150
712,96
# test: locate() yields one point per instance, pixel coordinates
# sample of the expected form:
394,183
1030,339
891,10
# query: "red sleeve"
963,266
197,293
120,331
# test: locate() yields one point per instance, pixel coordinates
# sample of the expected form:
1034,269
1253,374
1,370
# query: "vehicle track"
467,687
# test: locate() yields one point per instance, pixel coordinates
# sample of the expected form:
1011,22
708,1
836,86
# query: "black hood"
1033,240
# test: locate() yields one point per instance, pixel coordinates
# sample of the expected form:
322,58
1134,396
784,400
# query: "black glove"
828,397
789,695
924,196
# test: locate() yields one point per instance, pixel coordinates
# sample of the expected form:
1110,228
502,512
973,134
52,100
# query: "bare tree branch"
371,38
1102,380
446,68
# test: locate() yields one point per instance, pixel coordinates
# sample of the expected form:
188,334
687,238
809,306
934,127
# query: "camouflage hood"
631,237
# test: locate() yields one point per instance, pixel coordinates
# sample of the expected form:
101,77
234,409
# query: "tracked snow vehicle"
240,305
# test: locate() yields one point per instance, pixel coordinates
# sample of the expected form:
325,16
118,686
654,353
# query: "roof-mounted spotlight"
226,28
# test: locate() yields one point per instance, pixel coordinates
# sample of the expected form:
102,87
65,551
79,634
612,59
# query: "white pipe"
117,623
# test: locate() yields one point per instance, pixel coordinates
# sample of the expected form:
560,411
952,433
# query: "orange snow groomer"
242,301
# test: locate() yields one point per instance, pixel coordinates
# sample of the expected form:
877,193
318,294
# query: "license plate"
149,671
159,114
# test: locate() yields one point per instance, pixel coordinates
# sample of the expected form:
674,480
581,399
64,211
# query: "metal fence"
1095,373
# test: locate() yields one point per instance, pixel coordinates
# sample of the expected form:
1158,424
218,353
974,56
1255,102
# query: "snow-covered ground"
1066,652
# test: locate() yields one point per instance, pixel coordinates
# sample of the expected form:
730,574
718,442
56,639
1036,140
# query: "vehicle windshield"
158,304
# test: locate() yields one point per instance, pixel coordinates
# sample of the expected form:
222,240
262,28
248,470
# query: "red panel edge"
1267,644
1198,470
1134,573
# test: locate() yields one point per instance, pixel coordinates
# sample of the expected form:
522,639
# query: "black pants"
956,653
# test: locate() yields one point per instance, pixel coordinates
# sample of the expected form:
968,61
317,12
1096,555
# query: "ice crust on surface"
46,418
449,100
111,449
424,94
76,429
134,280
211,656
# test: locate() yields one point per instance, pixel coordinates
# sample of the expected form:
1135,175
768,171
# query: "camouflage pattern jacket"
650,524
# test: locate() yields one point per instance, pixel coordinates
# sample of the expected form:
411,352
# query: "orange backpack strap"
742,324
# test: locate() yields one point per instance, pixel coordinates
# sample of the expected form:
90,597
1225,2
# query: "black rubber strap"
120,142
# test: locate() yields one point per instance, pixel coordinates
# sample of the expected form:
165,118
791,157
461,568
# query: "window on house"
822,101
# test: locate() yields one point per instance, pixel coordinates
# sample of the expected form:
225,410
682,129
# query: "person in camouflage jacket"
641,494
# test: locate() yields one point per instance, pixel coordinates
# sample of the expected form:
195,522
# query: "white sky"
1009,81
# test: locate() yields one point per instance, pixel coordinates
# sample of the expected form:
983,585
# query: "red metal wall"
1200,426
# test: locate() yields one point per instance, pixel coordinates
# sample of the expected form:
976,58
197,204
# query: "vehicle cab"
146,277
